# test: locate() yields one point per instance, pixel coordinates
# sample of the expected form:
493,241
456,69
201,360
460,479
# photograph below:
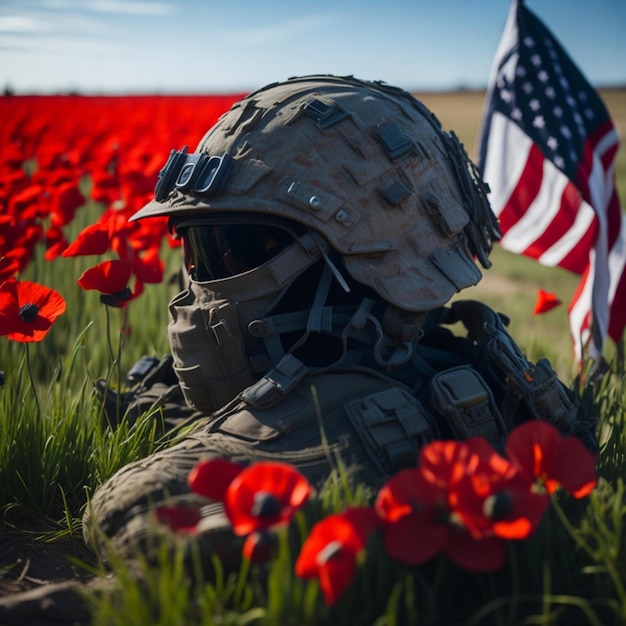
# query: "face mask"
215,354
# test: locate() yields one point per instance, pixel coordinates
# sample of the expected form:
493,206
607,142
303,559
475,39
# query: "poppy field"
531,534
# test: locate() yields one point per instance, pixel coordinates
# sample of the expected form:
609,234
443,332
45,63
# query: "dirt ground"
39,580
27,563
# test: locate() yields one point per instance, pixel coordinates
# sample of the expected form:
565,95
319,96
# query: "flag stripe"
529,185
559,225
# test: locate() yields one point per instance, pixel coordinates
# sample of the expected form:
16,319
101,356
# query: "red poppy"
461,500
497,500
93,239
148,267
28,310
264,495
180,519
552,459
211,478
10,263
55,249
66,198
331,550
419,525
545,302
56,243
105,188
486,492
109,277
416,517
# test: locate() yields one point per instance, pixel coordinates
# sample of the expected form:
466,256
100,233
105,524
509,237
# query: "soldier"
326,224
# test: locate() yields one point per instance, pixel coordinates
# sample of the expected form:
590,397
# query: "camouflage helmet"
363,163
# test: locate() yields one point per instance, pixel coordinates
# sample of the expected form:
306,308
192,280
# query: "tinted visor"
216,251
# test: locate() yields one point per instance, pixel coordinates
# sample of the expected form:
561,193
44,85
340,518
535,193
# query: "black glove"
150,384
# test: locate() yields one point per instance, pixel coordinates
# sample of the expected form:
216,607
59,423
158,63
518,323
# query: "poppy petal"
546,301
534,446
259,546
485,555
108,277
575,468
212,477
331,550
91,240
413,541
180,519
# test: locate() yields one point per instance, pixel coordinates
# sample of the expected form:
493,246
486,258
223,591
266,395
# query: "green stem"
607,560
32,378
115,364
108,333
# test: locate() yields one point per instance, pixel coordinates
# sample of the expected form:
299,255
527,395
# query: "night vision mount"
196,173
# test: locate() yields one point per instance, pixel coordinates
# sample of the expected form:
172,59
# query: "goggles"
221,247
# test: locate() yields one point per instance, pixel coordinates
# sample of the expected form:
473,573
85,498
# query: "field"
56,448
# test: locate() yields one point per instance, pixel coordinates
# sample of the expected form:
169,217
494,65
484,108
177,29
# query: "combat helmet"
322,219
364,164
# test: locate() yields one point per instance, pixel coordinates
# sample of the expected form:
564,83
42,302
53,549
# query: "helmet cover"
363,163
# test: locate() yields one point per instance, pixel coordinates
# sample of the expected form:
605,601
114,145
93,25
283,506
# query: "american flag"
547,152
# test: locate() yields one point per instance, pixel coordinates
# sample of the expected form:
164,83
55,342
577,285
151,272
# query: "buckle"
395,141
324,114
197,173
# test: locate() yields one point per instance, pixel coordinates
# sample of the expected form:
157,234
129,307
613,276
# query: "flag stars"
534,105
589,114
535,59
559,162
527,87
558,112
543,76
564,82
506,95
566,132
550,93
520,71
529,42
539,121
552,143
571,101
516,114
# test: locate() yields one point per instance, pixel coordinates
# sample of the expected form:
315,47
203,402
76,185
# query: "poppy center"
498,506
29,312
265,505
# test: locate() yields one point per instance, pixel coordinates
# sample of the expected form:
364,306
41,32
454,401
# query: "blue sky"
184,46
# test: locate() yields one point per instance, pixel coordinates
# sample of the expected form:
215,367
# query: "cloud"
21,24
125,7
